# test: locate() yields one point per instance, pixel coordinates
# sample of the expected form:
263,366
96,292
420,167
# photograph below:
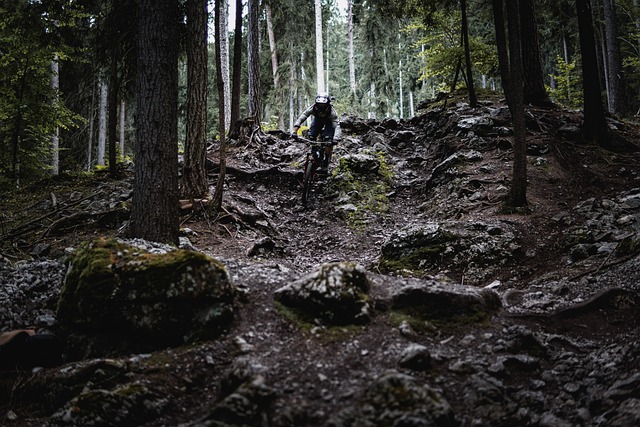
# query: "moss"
306,323
423,321
368,193
419,256
106,273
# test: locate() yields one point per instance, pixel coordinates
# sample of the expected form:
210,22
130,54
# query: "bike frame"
312,162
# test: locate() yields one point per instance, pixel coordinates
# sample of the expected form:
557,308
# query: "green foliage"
30,110
443,52
567,90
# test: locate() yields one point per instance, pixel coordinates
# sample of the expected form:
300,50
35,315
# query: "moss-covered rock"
439,302
335,293
120,297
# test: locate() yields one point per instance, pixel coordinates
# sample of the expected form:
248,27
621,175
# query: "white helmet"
322,98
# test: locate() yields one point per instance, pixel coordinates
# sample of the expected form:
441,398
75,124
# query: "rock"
415,357
118,297
435,300
335,293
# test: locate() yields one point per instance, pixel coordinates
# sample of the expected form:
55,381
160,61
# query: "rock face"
336,293
117,296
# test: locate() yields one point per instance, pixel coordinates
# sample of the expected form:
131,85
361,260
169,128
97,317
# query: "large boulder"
118,297
336,293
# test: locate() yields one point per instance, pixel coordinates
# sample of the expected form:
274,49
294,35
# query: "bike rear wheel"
306,182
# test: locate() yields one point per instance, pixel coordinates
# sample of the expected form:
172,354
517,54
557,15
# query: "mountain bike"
312,162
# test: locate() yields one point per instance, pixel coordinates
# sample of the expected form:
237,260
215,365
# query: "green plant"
567,90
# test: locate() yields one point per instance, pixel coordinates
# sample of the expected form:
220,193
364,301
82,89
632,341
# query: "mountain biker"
325,121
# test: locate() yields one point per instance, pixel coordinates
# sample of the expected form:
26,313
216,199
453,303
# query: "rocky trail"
463,314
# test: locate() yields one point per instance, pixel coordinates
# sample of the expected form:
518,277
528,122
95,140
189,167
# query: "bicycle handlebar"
310,142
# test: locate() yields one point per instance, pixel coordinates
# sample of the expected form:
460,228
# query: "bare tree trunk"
92,119
274,63
102,124
518,190
510,63
237,67
352,62
112,109
614,61
154,209
473,99
194,178
224,53
55,137
122,125
254,100
319,48
217,195
595,125
534,91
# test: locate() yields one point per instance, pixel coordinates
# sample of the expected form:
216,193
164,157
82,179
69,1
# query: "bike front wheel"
306,183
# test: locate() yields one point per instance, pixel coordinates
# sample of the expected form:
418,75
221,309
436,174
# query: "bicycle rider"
325,122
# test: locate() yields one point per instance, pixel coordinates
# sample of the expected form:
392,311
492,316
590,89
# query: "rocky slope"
416,206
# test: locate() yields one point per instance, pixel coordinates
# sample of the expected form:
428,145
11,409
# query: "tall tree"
473,99
319,48
194,183
615,75
237,66
274,64
594,126
219,30
113,90
534,90
224,53
55,136
352,62
102,122
154,211
253,50
510,60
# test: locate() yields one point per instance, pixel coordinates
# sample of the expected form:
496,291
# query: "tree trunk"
501,46
319,47
274,65
534,91
253,66
17,129
122,128
237,67
400,91
92,119
112,105
55,137
224,53
518,190
217,195
473,99
614,61
102,124
352,62
154,210
195,184
595,125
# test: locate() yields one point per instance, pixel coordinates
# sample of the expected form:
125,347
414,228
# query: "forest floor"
267,239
